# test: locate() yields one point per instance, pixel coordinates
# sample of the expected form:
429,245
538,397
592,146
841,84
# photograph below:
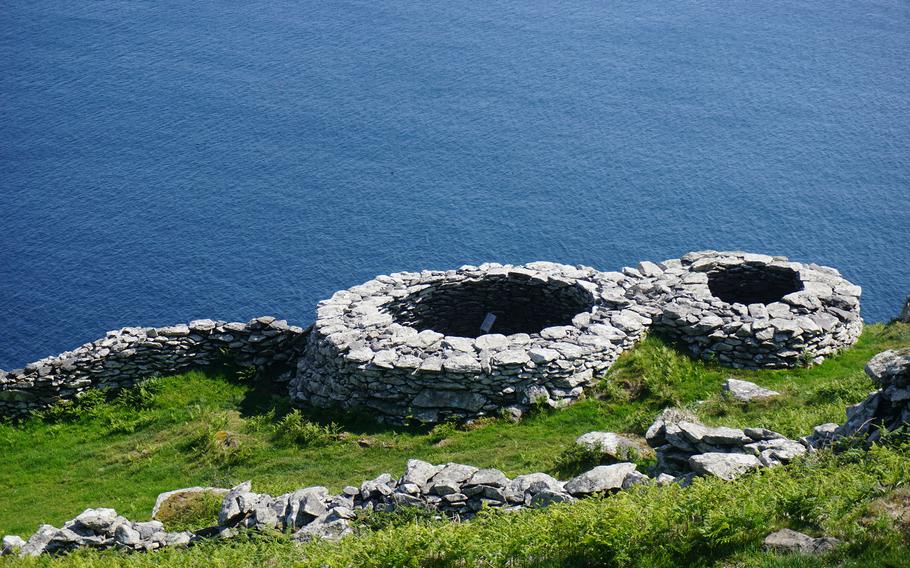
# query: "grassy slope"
123,453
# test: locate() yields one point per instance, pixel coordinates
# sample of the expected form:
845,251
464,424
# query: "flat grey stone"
790,541
512,357
747,392
489,477
724,466
419,472
615,446
523,482
601,478
182,493
97,520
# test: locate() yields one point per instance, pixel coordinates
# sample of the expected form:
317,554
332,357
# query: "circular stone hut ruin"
439,344
480,340
752,310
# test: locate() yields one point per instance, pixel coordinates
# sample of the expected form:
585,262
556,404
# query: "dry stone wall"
383,344
750,310
123,357
414,345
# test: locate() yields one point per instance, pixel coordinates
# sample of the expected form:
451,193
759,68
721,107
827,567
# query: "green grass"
121,450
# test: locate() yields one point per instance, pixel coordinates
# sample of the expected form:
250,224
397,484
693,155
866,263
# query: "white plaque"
487,323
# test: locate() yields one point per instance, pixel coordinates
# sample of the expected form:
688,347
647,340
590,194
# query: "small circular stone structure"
751,310
411,345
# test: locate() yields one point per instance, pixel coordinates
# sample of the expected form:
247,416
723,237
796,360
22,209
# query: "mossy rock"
191,508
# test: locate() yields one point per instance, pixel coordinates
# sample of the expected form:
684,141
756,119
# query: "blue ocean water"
163,161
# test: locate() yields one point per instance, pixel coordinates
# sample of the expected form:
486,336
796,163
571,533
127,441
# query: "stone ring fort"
480,340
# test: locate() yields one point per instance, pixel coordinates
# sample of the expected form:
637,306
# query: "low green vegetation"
121,449
189,511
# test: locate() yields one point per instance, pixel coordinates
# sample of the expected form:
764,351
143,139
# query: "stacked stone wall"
411,345
808,312
125,356
365,352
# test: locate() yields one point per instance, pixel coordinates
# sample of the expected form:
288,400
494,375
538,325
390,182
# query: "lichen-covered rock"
617,447
233,505
790,541
724,466
745,391
886,409
11,545
175,498
601,478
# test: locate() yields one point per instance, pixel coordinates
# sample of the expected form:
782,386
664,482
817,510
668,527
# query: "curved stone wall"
125,356
411,344
751,310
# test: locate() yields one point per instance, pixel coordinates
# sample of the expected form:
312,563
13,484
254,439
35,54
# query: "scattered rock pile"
454,490
885,409
97,528
686,446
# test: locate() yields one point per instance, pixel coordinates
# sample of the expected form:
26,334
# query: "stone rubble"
96,528
180,494
684,445
454,490
616,447
885,409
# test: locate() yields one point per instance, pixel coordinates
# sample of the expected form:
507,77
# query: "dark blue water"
163,161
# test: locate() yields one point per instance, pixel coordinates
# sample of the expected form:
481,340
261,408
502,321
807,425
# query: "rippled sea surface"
163,161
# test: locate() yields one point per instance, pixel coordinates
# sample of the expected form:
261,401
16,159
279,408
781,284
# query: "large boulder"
905,313
886,409
332,526
657,432
235,504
